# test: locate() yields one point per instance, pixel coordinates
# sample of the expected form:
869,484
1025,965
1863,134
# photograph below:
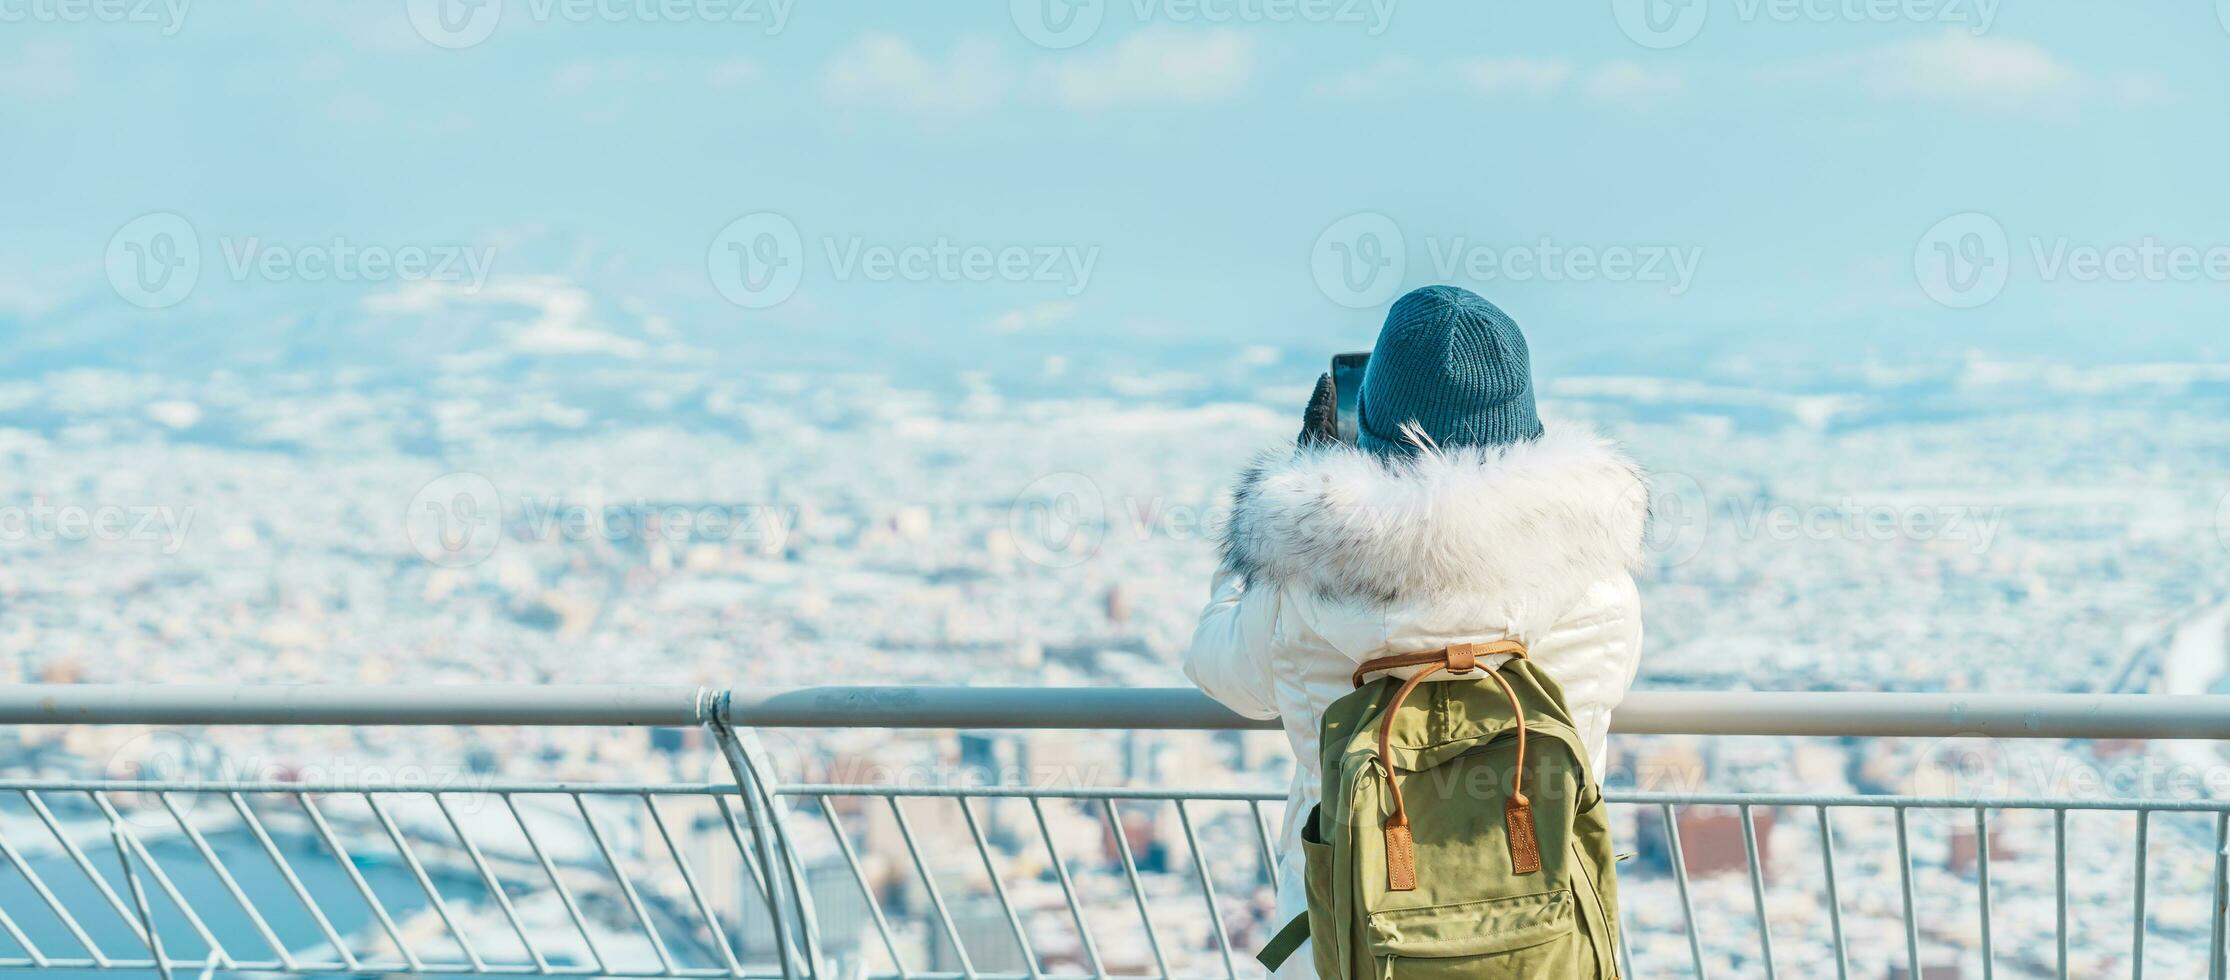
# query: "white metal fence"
753,877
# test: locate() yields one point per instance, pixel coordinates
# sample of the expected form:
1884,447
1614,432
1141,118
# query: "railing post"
785,878
2220,900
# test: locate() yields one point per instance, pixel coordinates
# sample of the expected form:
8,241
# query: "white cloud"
27,294
884,71
1035,317
1514,76
1386,77
1954,66
733,73
1257,355
1627,83
40,71
562,322
1146,68
2139,88
1156,66
1622,82
582,76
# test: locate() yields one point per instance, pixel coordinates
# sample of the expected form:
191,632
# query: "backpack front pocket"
1527,937
1320,865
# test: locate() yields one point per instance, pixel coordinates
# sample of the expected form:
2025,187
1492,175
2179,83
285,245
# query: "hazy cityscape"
1951,529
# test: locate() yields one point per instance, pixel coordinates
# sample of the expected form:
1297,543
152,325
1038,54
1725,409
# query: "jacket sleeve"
1230,654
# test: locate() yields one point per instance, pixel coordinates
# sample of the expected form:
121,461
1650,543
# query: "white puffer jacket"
1334,556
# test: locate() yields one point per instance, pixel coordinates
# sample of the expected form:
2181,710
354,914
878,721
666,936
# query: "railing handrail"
659,705
2135,716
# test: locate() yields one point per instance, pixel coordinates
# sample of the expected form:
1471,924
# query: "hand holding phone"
1347,387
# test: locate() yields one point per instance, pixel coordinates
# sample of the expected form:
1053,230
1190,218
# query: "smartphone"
1347,385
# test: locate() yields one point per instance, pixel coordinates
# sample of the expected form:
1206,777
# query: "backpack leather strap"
1517,814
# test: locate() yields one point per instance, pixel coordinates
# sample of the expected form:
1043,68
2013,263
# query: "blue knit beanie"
1455,365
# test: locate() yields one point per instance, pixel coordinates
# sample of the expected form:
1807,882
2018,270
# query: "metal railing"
750,876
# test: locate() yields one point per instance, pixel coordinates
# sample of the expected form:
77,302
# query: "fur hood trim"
1539,521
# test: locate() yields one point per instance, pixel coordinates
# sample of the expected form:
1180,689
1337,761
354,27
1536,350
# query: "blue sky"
1164,185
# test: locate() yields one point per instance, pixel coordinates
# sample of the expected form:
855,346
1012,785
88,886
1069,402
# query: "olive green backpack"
1455,869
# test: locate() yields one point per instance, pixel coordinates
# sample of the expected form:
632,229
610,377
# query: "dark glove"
1320,423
